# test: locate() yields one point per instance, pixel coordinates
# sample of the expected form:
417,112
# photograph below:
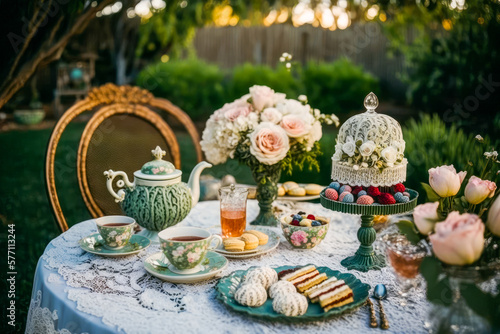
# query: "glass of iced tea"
233,210
405,259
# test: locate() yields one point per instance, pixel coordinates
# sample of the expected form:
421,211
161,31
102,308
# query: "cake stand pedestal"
365,258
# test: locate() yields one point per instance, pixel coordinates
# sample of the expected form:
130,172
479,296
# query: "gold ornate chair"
122,125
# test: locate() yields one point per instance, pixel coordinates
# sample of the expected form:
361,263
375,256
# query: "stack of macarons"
249,240
367,195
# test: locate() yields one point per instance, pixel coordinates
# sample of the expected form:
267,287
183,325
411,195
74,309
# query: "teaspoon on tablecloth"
373,318
380,292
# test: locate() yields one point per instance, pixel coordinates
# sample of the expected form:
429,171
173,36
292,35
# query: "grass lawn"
23,199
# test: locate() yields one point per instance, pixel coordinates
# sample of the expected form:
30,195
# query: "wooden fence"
364,44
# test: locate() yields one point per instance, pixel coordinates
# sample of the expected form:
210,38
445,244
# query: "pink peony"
478,190
445,180
298,237
269,143
459,240
493,221
262,97
425,217
295,126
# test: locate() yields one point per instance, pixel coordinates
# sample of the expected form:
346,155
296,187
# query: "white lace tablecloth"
78,292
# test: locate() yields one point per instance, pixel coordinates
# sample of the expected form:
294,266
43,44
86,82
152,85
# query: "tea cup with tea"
115,231
186,247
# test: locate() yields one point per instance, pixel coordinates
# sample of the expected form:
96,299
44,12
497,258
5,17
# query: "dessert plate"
93,244
272,243
228,284
157,265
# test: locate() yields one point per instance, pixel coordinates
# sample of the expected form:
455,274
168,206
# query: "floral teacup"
302,236
116,231
186,247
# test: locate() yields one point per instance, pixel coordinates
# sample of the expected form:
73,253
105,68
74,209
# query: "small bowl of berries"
303,230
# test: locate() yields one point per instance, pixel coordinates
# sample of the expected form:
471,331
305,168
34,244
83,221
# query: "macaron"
251,241
263,238
233,244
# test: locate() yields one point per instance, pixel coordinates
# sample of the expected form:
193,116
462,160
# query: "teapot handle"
110,174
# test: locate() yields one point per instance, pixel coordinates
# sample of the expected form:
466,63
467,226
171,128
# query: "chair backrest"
120,135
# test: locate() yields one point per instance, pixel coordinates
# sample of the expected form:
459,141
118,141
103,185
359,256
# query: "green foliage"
445,68
430,143
407,228
247,75
193,85
337,87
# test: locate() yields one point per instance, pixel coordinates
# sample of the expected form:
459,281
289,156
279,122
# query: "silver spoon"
380,292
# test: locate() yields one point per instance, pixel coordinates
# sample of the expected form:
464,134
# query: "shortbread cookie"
281,191
313,189
297,192
251,294
290,304
289,185
233,244
263,238
280,288
251,241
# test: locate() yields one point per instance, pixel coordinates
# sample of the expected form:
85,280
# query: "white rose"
271,115
364,165
367,148
400,146
293,107
269,143
390,155
349,147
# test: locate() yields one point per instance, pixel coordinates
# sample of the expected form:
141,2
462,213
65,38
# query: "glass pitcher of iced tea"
233,210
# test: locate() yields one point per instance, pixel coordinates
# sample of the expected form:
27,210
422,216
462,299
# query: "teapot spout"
194,180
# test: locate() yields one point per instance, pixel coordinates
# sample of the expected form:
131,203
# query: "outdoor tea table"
78,292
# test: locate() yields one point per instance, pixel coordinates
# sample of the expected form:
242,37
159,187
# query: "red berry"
386,198
373,191
311,217
356,190
332,194
398,188
295,222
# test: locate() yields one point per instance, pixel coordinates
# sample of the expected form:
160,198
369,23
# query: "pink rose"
298,237
493,220
262,97
478,190
269,143
425,217
271,115
459,240
233,114
445,180
295,126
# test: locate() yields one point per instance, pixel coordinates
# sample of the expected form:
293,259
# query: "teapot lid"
158,168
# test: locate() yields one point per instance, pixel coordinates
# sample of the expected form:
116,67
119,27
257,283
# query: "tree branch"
33,28
48,52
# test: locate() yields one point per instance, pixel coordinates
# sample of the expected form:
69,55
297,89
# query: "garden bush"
430,143
247,75
338,87
193,85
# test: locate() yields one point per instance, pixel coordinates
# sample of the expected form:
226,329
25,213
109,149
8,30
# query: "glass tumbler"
233,210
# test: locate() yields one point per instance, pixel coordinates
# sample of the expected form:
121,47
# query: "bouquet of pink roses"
269,133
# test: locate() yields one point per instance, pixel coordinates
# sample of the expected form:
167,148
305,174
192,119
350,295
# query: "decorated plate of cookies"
292,191
254,242
288,293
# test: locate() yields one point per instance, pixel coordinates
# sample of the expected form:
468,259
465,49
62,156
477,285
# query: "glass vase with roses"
461,225
269,133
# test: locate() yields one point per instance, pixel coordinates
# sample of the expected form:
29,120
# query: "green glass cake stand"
365,258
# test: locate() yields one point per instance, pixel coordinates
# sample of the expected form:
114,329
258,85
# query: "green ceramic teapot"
157,198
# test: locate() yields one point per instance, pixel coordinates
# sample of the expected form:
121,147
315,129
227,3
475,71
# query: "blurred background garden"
434,64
